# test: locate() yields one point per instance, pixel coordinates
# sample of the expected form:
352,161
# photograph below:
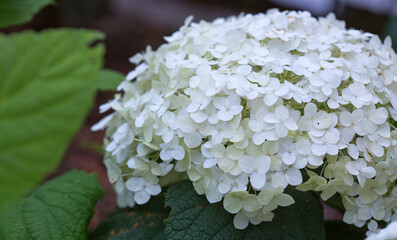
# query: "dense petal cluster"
249,105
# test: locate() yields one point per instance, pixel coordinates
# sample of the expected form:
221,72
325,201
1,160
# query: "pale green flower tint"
112,170
234,201
265,196
282,199
250,203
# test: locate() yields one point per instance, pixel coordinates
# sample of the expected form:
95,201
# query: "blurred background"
131,25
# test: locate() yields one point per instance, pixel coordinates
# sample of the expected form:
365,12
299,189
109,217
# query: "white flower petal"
240,221
210,162
135,184
178,153
284,200
141,197
257,180
153,189
294,176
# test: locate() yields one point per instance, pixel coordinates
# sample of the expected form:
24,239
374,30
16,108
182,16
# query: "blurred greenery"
21,11
48,83
109,80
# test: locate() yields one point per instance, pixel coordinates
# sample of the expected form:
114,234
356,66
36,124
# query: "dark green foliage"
193,217
59,209
132,225
19,11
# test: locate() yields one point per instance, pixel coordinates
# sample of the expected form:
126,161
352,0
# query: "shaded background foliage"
130,25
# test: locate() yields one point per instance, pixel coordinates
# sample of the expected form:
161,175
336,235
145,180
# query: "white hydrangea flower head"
245,105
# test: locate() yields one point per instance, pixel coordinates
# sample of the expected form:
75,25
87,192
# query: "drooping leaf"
132,225
109,80
336,202
338,230
193,217
21,11
60,209
47,84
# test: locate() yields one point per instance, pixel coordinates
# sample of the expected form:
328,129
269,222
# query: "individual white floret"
282,121
305,155
142,190
172,150
286,176
327,80
360,169
257,168
357,94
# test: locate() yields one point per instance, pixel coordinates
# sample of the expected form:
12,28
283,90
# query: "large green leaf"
193,217
60,209
132,225
19,11
47,84
109,80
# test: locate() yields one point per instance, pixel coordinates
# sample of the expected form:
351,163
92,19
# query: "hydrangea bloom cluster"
245,105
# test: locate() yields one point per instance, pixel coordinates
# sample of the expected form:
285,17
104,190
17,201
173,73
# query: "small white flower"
304,149
256,168
287,151
273,91
282,121
172,150
121,138
138,70
286,176
142,190
326,80
305,66
360,169
228,107
357,94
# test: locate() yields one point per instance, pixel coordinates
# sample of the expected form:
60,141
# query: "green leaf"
47,86
133,225
60,209
155,205
19,11
99,148
390,29
338,230
109,80
336,202
193,217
